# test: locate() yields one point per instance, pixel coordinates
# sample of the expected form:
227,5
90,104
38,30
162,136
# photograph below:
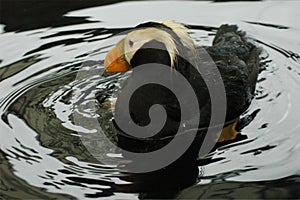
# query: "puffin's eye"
130,43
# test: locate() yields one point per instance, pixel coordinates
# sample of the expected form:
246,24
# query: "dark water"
44,46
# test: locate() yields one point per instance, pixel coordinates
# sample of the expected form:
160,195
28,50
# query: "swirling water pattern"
40,144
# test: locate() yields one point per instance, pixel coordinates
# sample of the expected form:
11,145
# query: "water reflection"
287,188
164,183
29,15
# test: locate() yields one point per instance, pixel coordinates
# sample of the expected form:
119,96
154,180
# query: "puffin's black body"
237,61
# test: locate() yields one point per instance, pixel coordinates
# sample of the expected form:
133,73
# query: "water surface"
41,153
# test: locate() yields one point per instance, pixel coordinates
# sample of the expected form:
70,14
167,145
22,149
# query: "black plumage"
236,59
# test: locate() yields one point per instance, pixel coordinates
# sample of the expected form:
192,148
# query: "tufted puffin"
234,55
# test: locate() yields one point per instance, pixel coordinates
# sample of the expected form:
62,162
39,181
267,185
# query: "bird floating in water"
236,58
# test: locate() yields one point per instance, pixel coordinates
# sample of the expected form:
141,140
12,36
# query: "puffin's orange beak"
115,61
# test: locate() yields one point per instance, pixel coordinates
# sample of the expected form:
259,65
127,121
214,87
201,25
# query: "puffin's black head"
151,42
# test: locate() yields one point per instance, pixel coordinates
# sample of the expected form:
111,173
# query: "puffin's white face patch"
136,39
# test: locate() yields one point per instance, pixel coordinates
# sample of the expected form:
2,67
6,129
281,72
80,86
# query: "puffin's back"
238,62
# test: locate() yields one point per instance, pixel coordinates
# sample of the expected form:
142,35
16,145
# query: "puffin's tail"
231,41
225,28
237,59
